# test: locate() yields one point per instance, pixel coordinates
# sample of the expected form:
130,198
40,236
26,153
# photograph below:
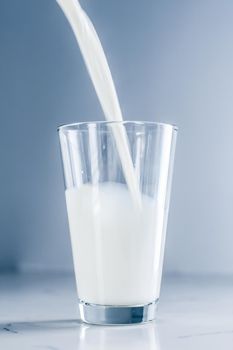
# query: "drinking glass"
117,187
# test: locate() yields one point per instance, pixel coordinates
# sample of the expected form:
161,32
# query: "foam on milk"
114,245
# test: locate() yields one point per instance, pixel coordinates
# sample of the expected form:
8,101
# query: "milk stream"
97,66
114,245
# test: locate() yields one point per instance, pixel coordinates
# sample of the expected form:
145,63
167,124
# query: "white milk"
114,245
98,69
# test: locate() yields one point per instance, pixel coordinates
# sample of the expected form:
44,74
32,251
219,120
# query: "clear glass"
117,230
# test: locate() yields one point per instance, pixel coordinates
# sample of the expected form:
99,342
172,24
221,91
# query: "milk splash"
98,69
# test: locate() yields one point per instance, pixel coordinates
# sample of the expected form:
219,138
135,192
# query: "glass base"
117,315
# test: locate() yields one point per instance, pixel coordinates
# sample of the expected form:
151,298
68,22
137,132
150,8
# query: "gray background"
172,61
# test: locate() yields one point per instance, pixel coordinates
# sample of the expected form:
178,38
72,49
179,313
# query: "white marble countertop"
40,312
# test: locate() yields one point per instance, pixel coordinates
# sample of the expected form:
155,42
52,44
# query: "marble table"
40,312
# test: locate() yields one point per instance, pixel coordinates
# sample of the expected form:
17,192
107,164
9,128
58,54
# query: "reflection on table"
144,336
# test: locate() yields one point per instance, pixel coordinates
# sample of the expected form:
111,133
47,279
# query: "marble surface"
40,312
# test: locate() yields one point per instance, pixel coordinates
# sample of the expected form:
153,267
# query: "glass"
117,229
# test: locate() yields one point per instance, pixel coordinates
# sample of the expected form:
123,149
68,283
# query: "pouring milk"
107,242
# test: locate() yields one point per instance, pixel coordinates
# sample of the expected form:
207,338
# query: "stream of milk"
97,66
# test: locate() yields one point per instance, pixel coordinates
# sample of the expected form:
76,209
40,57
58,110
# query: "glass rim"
123,122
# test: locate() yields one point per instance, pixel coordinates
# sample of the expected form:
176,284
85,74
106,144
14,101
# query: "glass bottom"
117,315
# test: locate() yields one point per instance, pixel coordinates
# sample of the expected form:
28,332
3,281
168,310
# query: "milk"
100,74
114,245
